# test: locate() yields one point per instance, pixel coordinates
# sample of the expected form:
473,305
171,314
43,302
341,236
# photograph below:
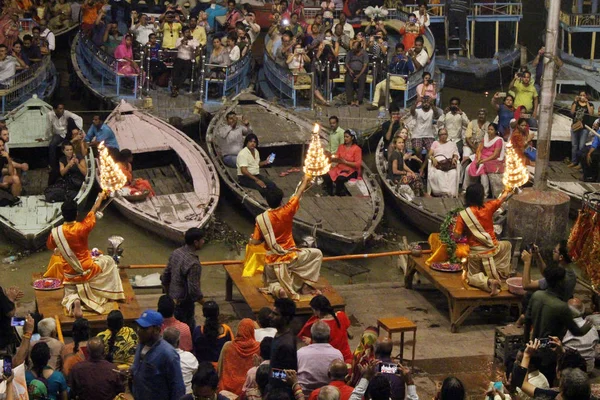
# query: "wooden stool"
400,324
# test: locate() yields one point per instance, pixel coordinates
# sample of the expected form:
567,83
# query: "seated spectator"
204,384
8,67
233,15
295,62
259,390
99,132
219,56
47,330
295,27
357,66
489,159
338,323
418,54
237,357
586,344
282,52
235,52
124,55
112,38
203,21
378,386
377,47
444,160
427,88
231,138
73,167
95,378
265,359
47,35
166,307
210,338
189,363
348,159
314,360
182,67
120,342
526,95
31,50
11,180
342,39
74,353
143,28
399,172
520,138
534,376
251,27
265,329
135,185
383,353
248,166
410,158
399,64
338,371
422,15
452,389
89,12
61,15
41,370
17,52
364,353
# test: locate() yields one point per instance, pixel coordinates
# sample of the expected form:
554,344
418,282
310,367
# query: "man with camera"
182,67
526,95
378,384
400,66
455,121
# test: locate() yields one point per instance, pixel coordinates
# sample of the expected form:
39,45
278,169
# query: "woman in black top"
399,173
579,132
73,168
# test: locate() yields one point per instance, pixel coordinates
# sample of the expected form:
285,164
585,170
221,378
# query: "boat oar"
332,258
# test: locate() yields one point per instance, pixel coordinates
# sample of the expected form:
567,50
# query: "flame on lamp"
111,176
515,172
316,163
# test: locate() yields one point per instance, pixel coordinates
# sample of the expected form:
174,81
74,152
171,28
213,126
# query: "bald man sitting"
383,353
95,378
338,371
586,344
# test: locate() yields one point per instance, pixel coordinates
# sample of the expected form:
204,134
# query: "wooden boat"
341,224
182,175
568,181
29,223
424,213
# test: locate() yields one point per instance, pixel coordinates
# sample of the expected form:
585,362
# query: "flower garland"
447,234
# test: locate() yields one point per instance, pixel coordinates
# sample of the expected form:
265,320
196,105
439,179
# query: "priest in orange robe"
289,270
90,282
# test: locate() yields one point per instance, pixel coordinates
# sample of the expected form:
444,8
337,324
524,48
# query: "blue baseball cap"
150,318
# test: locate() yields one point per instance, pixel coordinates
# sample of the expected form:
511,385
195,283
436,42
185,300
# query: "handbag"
531,153
577,126
446,165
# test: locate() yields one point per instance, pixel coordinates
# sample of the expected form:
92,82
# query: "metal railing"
479,9
575,20
236,76
38,79
284,80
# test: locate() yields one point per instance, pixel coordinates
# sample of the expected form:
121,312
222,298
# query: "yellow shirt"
199,33
170,34
525,95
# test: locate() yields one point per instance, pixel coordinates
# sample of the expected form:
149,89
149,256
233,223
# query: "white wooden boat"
184,178
341,224
29,223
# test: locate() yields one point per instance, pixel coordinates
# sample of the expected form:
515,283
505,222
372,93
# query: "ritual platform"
249,289
462,298
48,303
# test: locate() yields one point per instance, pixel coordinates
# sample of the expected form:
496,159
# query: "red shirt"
338,337
185,339
345,390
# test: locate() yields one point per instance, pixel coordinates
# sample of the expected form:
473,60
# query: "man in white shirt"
348,29
423,133
8,67
455,121
234,50
314,359
48,35
264,322
586,344
418,54
188,361
143,29
59,127
182,67
254,28
231,138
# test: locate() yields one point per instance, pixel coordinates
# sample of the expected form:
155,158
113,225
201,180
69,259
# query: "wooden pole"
517,34
593,52
547,97
332,258
570,46
472,39
497,34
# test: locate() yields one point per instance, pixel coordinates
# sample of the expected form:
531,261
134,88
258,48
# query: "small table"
400,325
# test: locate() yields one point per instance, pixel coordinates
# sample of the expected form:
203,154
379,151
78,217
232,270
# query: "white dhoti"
443,183
489,265
303,269
96,292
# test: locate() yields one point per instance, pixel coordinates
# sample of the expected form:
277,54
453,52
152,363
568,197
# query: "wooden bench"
49,303
462,298
248,288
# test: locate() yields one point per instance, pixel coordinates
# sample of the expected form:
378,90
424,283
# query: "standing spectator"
338,323
264,322
237,357
171,30
348,29
210,338
156,371
213,11
17,52
455,121
231,138
410,31
422,15
188,362
31,50
283,350
476,131
47,35
181,277
198,32
579,133
314,360
591,160
8,67
357,64
143,29
418,54
89,14
204,384
8,335
336,135
41,370
120,341
112,38
423,133
457,12
343,40
95,378
166,308
526,95
99,132
337,375
252,27
47,330
586,344
186,53
233,15
506,112
428,87
282,52
383,353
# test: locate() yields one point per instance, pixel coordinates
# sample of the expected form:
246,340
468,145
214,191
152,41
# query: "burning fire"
515,172
316,163
111,176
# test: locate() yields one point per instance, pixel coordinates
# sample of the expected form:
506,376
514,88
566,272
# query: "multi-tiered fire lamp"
112,179
316,162
515,172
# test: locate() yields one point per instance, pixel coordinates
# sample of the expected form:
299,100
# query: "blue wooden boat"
40,80
484,68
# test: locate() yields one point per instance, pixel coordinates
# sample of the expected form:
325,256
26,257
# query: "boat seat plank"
147,207
183,209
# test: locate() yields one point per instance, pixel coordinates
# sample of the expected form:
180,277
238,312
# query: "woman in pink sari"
349,159
489,158
124,56
9,27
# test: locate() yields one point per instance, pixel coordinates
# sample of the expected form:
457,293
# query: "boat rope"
244,198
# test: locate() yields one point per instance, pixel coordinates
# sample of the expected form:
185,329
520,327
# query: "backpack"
7,199
59,192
